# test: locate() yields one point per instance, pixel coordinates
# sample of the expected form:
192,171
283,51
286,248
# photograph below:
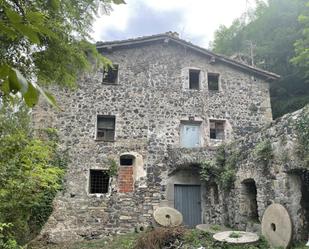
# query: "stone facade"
151,103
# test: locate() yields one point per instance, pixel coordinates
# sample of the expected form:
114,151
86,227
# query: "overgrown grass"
126,241
175,238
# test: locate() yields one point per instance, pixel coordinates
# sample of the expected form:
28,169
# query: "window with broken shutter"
110,75
106,128
216,129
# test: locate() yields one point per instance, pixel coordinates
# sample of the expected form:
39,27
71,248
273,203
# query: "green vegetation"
222,169
301,45
302,128
263,151
235,235
265,37
46,41
31,169
113,168
175,237
125,241
215,227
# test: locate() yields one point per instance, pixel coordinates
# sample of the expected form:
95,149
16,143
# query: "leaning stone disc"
167,216
277,226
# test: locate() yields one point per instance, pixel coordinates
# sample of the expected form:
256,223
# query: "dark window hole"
273,227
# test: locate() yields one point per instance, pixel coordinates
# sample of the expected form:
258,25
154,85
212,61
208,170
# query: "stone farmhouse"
139,132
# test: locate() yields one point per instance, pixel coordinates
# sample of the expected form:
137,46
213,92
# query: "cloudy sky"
194,20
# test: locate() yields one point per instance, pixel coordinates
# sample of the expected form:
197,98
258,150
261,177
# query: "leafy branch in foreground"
45,42
31,172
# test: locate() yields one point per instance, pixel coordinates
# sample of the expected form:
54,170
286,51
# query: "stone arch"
131,169
249,199
299,191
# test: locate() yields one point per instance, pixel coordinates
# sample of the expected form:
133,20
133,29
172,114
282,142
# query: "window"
126,174
213,81
99,181
106,128
126,160
194,79
216,129
110,74
190,134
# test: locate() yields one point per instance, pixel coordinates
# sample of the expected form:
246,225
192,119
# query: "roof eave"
269,76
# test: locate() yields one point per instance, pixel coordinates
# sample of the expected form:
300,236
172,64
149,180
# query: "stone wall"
280,177
149,102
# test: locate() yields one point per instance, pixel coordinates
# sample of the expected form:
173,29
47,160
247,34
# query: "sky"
194,20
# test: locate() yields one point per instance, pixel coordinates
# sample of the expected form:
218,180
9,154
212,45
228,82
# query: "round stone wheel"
167,216
236,237
277,226
211,228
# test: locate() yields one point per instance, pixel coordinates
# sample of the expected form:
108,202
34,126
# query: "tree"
302,45
267,37
31,172
45,42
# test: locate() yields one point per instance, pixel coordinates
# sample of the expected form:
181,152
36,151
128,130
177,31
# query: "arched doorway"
249,194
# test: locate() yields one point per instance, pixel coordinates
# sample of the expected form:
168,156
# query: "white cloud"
199,18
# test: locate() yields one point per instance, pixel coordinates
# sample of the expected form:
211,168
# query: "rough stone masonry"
163,109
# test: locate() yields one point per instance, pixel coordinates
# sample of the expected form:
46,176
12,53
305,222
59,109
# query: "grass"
191,239
116,242
234,235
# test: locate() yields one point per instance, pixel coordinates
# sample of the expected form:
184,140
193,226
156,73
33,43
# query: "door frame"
188,175
197,185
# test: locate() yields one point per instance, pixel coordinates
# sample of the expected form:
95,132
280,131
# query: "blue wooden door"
187,200
190,135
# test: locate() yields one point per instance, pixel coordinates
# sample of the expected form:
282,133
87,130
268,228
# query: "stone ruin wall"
283,179
149,103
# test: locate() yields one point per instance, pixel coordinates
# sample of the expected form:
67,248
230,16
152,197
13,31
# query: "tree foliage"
302,45
31,171
266,36
45,42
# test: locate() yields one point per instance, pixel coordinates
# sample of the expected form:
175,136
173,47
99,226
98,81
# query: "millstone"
211,228
277,226
166,216
236,237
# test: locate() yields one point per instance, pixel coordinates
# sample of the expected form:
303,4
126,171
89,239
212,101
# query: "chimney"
173,34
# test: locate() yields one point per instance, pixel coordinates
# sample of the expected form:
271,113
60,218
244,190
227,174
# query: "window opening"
126,160
99,181
110,74
213,81
190,134
106,128
216,129
194,79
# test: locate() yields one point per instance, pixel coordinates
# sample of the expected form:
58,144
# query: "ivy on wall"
222,169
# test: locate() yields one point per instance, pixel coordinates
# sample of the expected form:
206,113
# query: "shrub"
31,169
159,237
